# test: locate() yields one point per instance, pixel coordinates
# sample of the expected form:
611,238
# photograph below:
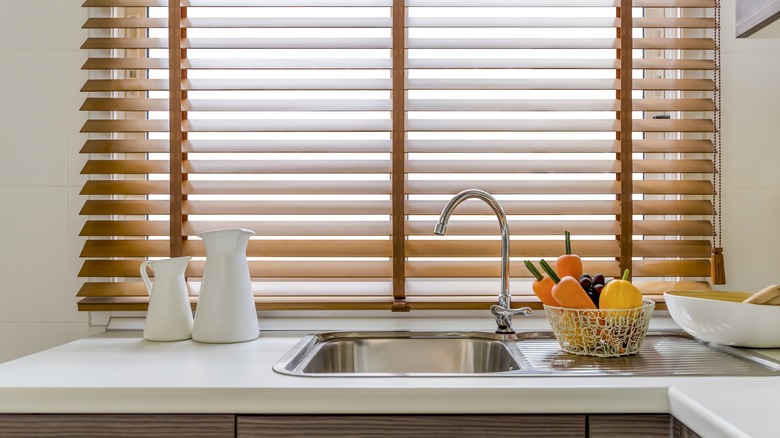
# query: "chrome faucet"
503,310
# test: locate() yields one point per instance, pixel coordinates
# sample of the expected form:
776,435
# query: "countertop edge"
700,419
403,400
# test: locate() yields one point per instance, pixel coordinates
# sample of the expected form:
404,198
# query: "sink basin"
401,354
476,354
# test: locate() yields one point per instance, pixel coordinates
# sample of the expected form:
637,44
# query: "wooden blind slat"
122,104
285,84
125,85
512,146
512,84
281,166
311,125
525,227
675,43
502,63
674,3
136,228
674,23
674,84
557,105
125,43
673,187
123,146
490,269
125,63
285,43
111,290
674,64
124,207
286,187
514,43
125,23
272,228
583,227
298,22
127,187
521,22
269,248
673,105
659,64
673,248
558,166
124,3
286,3
286,64
512,125
107,126
287,105
527,249
649,207
672,268
314,208
444,187
513,105
654,146
265,269
289,146
120,167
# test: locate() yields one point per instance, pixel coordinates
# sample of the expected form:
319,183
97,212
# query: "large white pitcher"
169,316
226,307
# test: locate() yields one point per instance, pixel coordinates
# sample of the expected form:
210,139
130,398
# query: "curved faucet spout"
503,311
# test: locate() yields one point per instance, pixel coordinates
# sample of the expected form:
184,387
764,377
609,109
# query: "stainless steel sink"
401,353
472,354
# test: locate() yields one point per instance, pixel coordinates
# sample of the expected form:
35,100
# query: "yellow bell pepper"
620,294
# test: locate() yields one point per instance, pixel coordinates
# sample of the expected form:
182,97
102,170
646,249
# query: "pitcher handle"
145,276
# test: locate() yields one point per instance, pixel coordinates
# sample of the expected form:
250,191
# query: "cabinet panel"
410,425
623,425
679,430
116,425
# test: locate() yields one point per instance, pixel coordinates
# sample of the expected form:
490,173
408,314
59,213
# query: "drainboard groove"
662,354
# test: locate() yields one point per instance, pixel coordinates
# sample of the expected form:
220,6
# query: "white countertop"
119,372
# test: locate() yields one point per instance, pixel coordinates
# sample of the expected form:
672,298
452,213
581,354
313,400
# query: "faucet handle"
504,315
497,310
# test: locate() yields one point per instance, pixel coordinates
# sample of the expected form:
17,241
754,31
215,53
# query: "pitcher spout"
227,239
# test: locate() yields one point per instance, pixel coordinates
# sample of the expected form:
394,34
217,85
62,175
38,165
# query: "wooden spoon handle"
769,295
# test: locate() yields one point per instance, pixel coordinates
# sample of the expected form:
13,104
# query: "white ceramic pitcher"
226,306
169,317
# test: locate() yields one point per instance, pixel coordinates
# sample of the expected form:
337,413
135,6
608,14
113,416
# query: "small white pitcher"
169,317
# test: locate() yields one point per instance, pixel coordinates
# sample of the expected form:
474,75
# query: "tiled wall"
751,155
40,77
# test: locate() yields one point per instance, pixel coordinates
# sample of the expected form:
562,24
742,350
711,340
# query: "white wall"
40,78
751,155
40,164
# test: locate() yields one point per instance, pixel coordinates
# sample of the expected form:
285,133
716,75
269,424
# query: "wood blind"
337,130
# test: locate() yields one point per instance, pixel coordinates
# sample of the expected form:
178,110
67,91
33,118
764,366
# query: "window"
337,130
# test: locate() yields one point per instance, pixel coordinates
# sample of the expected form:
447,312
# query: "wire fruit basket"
601,333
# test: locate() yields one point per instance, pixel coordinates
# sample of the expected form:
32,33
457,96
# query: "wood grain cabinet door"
378,426
625,425
679,430
117,425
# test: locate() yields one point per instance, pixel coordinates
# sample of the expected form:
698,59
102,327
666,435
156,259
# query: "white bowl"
722,318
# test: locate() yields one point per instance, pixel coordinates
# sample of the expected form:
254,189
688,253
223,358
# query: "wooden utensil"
769,295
